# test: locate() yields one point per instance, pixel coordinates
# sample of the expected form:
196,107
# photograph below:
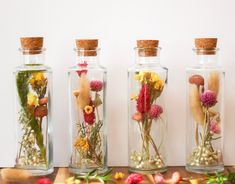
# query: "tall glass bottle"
87,81
147,81
33,114
205,92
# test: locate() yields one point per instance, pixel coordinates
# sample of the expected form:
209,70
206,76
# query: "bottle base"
148,171
37,172
205,169
83,171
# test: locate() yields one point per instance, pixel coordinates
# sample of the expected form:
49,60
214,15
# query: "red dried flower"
134,178
89,118
96,85
44,181
83,68
143,101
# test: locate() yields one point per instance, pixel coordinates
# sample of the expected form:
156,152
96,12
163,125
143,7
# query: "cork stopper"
147,48
89,46
206,46
31,45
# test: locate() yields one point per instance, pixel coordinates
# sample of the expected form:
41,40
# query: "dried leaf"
83,98
195,104
214,82
97,101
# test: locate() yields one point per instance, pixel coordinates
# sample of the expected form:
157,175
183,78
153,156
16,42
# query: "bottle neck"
88,57
207,60
147,56
33,57
206,57
153,60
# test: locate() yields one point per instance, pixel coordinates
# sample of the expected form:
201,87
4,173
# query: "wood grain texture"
61,174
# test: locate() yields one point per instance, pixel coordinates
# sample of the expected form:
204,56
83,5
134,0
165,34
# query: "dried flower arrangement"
88,141
32,93
147,113
202,102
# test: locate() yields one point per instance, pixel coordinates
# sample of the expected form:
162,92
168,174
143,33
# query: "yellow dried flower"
154,77
37,79
143,76
88,109
159,85
81,144
119,175
32,99
134,97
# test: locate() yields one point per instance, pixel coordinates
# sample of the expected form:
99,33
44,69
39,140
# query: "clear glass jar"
147,81
87,89
33,112
205,118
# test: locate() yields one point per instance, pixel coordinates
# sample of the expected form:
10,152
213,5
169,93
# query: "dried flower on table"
134,178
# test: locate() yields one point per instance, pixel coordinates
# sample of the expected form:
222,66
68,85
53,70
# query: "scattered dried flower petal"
159,179
44,181
119,175
134,178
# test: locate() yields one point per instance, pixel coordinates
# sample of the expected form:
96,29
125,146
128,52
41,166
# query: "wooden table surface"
60,175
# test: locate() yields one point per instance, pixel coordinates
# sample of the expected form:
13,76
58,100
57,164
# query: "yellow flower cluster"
72,180
152,78
32,99
38,78
81,144
119,175
88,109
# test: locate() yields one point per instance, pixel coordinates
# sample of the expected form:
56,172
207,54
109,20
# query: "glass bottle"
147,81
33,112
205,92
87,89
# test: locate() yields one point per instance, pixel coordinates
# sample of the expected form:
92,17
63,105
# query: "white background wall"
117,24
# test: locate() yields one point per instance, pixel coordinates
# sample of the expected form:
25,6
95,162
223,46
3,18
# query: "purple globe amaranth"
155,111
208,98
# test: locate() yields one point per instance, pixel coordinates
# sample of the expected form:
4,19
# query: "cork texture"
147,48
206,46
89,46
31,45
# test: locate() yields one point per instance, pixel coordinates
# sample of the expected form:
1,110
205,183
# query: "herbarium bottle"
87,81
33,115
147,81
205,91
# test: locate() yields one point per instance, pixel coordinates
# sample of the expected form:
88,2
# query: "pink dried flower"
158,178
134,178
215,127
175,178
155,111
83,68
208,98
96,85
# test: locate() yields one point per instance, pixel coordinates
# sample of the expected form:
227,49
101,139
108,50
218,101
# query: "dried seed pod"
76,93
195,104
214,82
43,101
83,98
40,111
196,79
